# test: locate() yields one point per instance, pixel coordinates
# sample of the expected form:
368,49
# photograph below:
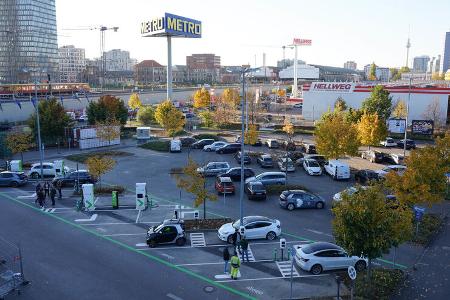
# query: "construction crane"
102,30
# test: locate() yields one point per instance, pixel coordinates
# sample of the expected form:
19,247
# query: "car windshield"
237,224
158,227
257,187
313,164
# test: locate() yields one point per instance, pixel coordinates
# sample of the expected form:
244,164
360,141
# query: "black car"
310,149
69,179
230,148
202,143
364,176
187,141
246,157
373,156
168,232
255,190
235,173
258,143
410,144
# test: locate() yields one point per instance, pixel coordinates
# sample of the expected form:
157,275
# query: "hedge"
161,146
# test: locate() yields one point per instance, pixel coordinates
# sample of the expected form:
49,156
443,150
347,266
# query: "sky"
241,30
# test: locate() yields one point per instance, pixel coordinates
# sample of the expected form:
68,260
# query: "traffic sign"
418,212
351,272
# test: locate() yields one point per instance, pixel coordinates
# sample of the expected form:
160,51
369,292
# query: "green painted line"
298,237
392,263
152,257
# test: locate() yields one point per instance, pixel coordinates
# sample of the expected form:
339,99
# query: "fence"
11,270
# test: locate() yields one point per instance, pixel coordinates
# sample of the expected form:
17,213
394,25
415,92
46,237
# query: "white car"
255,227
214,146
396,168
48,170
323,256
284,163
397,158
312,167
350,190
388,142
298,105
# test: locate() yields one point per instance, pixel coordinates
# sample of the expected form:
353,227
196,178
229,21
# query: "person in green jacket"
235,264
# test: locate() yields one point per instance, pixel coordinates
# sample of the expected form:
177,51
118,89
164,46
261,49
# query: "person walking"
237,240
53,194
59,187
235,264
38,188
41,198
244,248
47,189
226,258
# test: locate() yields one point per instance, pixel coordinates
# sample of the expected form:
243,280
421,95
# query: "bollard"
115,200
275,254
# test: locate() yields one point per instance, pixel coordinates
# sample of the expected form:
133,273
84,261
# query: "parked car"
388,142
350,191
13,179
312,167
246,157
214,146
373,156
214,168
310,148
256,227
364,176
337,169
317,157
269,178
202,143
255,190
298,105
271,143
265,161
392,168
395,158
288,145
229,148
410,144
224,185
175,145
300,199
323,256
189,115
187,141
168,232
82,118
69,179
235,173
48,170
286,164
258,143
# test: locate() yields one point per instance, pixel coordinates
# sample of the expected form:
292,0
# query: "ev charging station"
141,196
59,167
88,196
16,166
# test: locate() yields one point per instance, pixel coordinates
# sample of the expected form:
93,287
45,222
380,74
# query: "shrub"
161,146
108,189
428,228
277,189
207,136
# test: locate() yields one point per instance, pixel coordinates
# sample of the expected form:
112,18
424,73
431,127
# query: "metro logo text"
172,25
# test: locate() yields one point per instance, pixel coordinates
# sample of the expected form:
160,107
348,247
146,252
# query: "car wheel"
290,206
316,269
14,184
180,241
230,239
271,236
34,175
208,149
319,205
360,265
151,243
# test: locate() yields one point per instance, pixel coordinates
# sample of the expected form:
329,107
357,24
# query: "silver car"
214,168
269,178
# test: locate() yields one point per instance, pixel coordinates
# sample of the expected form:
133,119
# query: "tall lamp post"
41,154
407,114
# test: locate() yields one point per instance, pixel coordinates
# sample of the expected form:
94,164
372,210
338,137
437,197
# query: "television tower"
408,45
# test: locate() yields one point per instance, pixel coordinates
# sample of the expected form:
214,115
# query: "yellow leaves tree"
231,97
169,117
108,130
134,102
19,142
288,128
336,137
207,118
399,111
251,135
438,76
146,115
194,183
371,129
202,98
224,112
98,166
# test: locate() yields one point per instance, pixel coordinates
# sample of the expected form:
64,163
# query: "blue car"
14,179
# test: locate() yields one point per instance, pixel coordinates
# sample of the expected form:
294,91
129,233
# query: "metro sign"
302,42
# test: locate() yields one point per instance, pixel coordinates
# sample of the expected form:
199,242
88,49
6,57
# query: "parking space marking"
141,245
91,219
125,234
271,278
173,297
197,239
249,252
119,223
319,232
285,268
49,210
221,263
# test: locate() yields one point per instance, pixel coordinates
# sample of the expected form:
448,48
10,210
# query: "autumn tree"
353,115
53,121
379,102
207,118
335,136
371,129
438,76
194,183
373,72
340,104
253,107
224,112
169,117
108,130
288,128
146,115
19,142
231,97
364,225
98,166
134,102
399,110
107,108
202,98
433,112
394,74
251,135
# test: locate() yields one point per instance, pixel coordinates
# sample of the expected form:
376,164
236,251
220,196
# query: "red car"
224,185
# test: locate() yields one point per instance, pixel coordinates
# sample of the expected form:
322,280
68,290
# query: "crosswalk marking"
250,254
197,239
49,210
285,269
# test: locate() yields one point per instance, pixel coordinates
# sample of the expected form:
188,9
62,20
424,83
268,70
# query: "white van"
175,146
337,169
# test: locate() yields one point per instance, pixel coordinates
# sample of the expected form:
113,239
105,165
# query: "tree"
364,225
108,130
207,118
394,74
399,111
438,76
107,108
340,104
53,121
134,102
373,72
251,135
146,115
202,98
224,112
169,117
371,130
378,102
19,142
288,128
353,115
231,97
194,183
98,166
335,136
433,112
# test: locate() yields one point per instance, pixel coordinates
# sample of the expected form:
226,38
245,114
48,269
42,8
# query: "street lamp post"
38,129
241,191
406,119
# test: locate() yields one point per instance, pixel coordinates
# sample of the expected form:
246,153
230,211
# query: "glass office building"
28,41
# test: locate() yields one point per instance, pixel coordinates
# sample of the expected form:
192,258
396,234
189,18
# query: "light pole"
41,155
407,113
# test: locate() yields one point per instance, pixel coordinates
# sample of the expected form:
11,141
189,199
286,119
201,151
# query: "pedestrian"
38,188
244,248
237,240
52,194
47,189
59,186
226,258
41,198
235,264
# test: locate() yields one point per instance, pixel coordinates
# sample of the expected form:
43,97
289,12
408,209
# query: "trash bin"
115,200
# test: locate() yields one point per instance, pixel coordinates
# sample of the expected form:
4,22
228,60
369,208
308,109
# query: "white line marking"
27,197
119,223
255,291
141,245
164,248
272,278
91,219
197,239
168,256
319,232
138,216
285,269
172,296
227,276
221,263
124,234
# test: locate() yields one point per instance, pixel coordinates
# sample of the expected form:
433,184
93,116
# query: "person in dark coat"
41,198
38,188
226,258
53,194
244,248
47,189
237,240
59,187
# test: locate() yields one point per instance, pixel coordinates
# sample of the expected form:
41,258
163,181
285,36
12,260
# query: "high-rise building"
350,65
119,60
437,65
420,64
382,74
203,68
72,63
446,62
28,39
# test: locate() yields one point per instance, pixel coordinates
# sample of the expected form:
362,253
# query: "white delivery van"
175,146
337,169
